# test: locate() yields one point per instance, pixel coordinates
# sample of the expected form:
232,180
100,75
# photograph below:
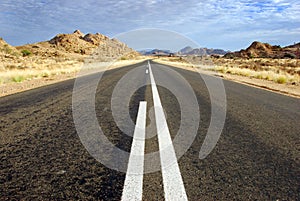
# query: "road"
256,157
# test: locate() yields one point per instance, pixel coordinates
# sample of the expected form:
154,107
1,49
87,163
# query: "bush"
26,53
281,80
290,55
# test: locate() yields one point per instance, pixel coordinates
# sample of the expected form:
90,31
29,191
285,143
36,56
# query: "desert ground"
279,75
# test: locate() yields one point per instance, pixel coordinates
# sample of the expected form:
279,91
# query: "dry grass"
277,70
19,75
19,68
27,68
279,77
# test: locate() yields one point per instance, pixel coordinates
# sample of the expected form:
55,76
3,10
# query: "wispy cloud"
227,24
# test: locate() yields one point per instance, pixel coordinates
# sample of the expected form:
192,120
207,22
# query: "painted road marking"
146,71
133,187
172,180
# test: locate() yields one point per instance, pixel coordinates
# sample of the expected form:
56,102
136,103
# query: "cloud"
210,22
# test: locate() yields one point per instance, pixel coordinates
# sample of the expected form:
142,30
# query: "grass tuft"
281,80
18,78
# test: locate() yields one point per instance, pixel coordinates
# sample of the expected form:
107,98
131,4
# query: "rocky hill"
8,55
265,50
7,50
78,45
201,51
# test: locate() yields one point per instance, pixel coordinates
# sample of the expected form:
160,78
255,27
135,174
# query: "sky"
229,24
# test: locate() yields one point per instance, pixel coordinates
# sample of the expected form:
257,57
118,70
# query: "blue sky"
228,24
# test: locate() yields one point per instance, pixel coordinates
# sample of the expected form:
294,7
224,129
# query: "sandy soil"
286,89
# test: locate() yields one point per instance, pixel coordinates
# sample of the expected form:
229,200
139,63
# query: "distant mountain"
201,51
186,50
216,51
265,50
155,52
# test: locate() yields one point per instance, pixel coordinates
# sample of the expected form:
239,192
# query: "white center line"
146,71
172,180
133,187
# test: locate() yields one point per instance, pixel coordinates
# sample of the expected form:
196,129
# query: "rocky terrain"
77,44
8,53
61,54
6,49
265,50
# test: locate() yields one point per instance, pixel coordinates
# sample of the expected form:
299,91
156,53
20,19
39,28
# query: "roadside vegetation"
26,68
281,71
278,70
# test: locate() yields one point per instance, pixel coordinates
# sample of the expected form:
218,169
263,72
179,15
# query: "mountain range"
155,52
185,51
201,51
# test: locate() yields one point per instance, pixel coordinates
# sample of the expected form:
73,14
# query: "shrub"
281,79
26,53
45,74
259,76
290,55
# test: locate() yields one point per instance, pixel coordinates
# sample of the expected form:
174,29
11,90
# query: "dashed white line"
133,187
172,180
147,71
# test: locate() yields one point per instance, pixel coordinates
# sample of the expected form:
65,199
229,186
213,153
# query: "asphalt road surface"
256,157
